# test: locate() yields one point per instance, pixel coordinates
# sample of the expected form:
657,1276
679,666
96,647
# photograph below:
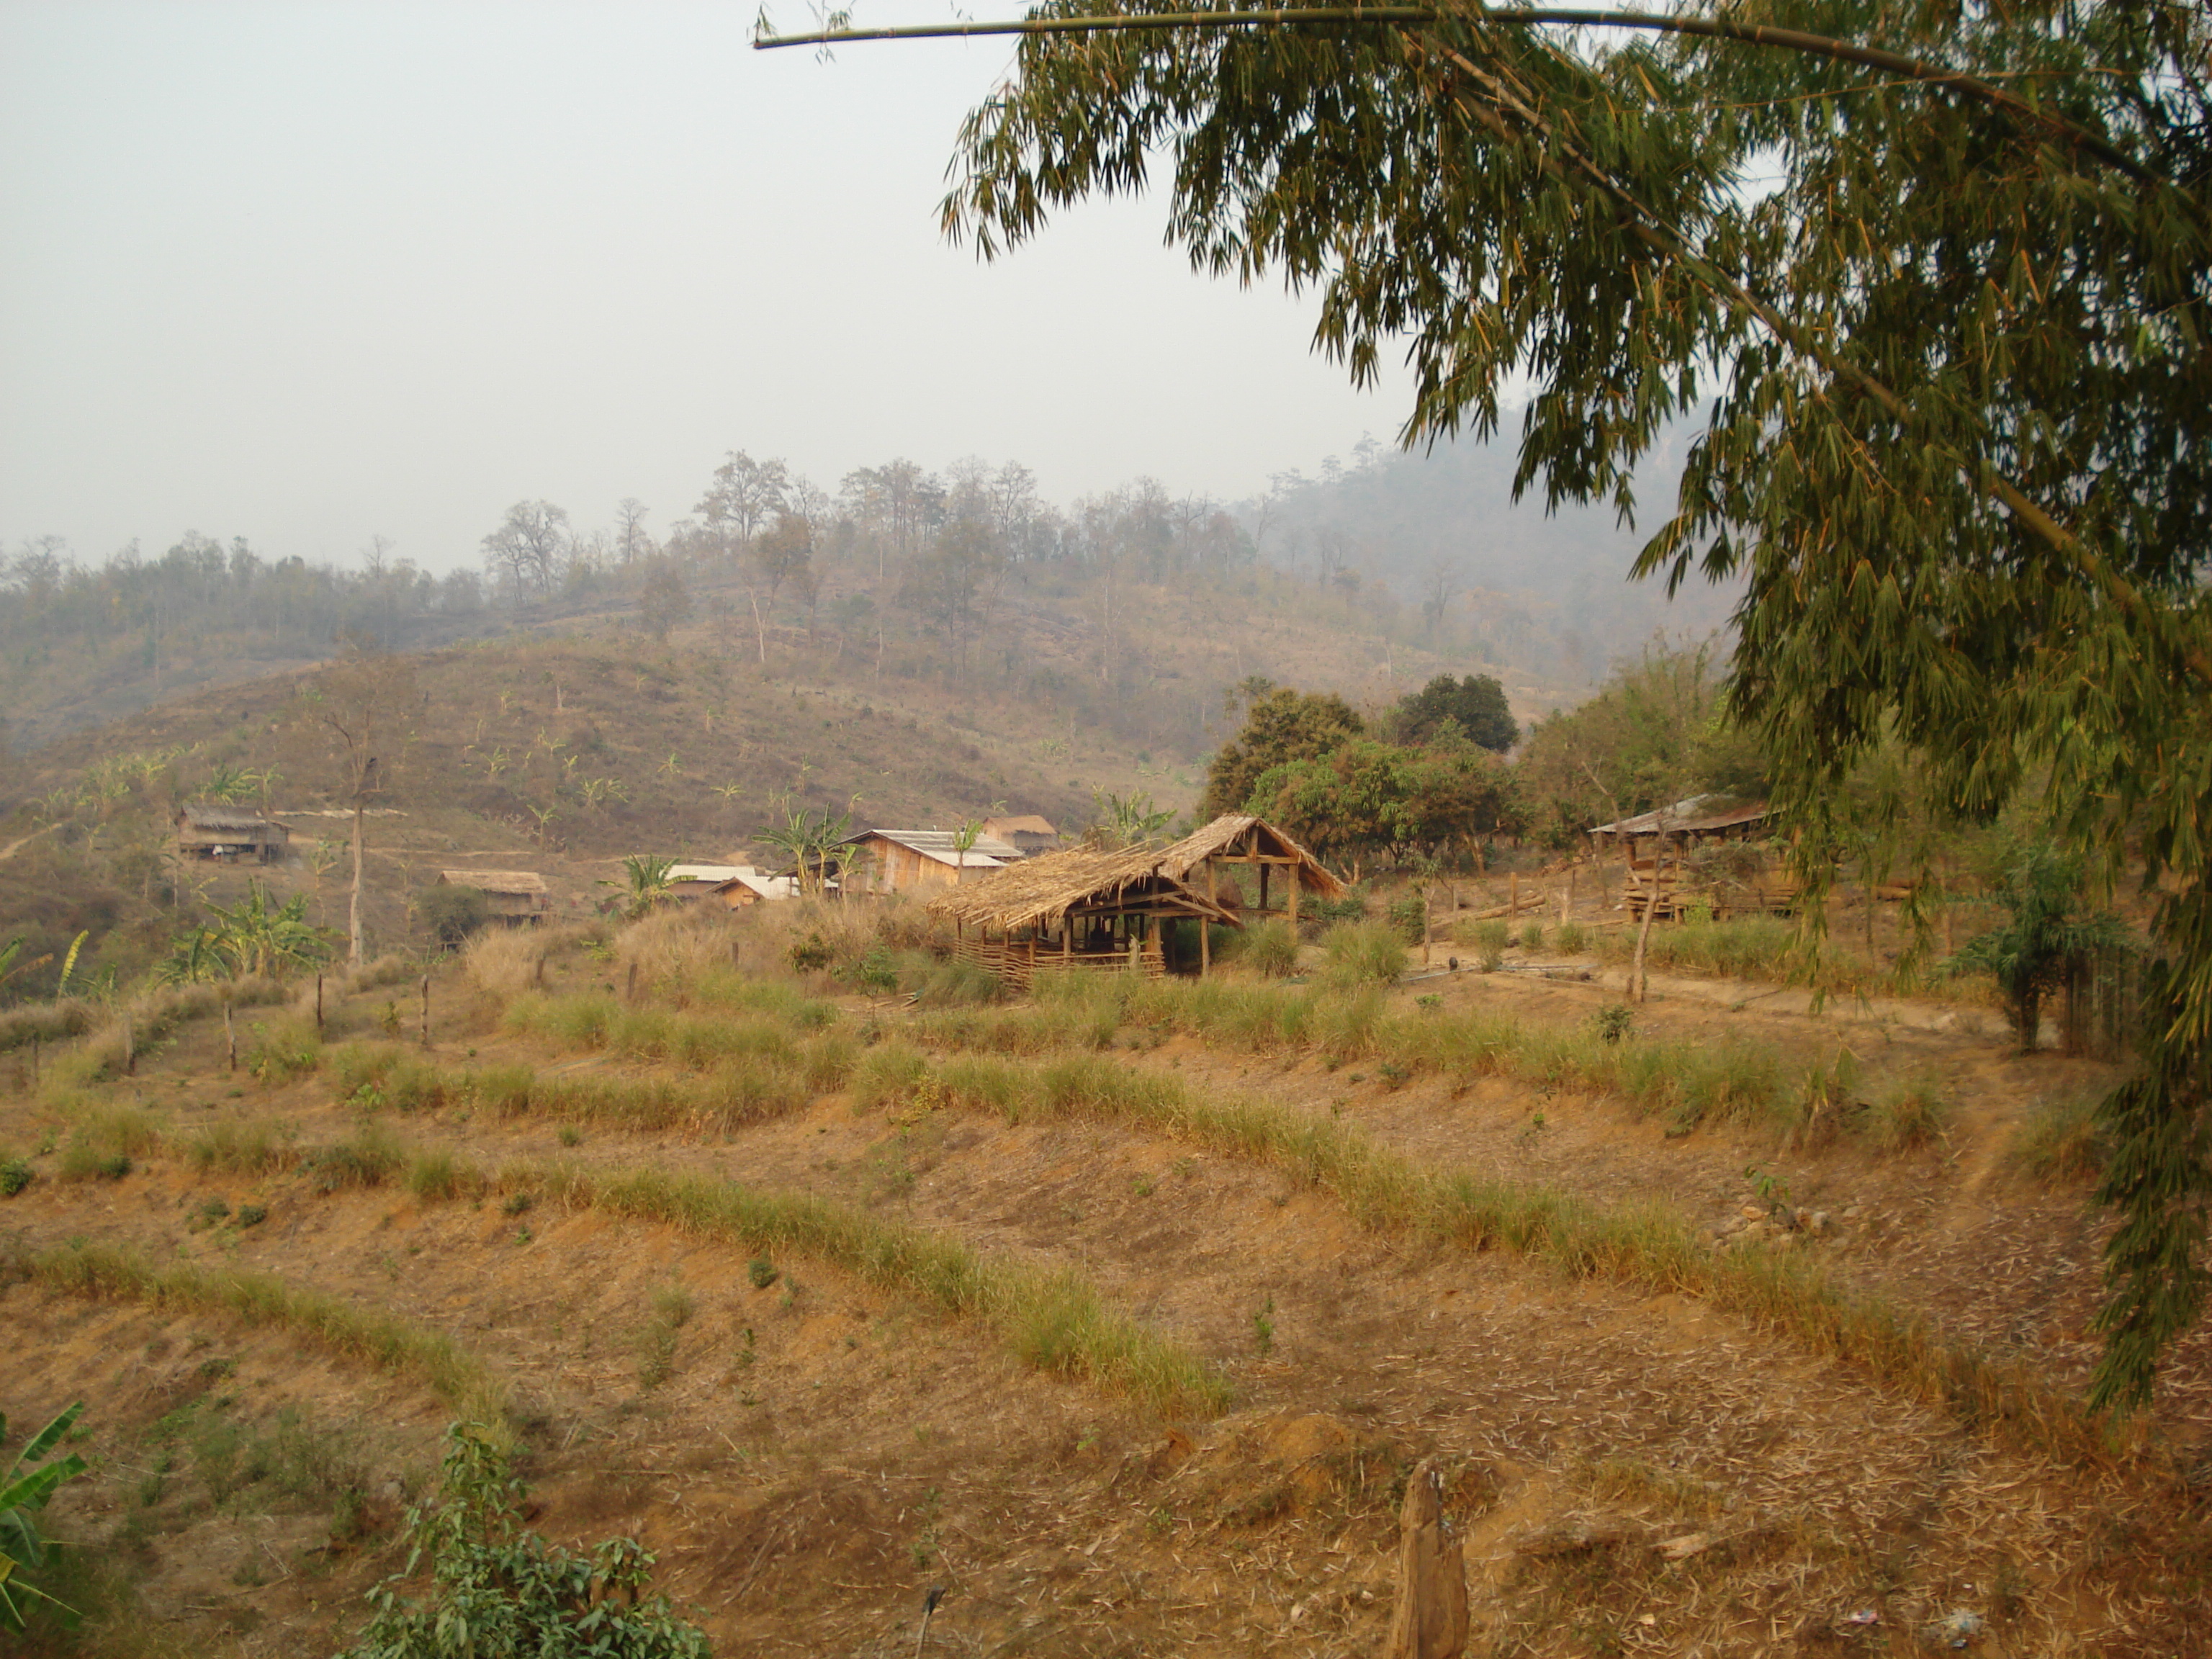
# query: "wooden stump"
1430,1619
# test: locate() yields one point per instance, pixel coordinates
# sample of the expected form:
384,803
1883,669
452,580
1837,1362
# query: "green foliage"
1366,796
251,938
451,914
24,1491
1281,726
15,1174
1475,705
1118,821
1363,953
500,1589
2039,886
1270,949
643,886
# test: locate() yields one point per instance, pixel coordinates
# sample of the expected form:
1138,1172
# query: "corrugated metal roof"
715,872
1698,814
767,887
989,853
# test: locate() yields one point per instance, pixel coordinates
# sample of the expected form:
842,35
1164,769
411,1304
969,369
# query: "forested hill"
1550,592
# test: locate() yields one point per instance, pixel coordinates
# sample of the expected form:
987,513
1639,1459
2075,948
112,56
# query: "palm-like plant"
24,1492
644,884
253,936
813,840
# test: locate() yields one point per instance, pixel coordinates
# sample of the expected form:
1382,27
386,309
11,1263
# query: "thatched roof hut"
217,829
1236,838
511,895
1074,909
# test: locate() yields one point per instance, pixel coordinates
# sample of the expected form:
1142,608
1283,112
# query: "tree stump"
1431,1620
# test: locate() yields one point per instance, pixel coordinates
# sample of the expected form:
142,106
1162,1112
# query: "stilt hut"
1658,842
1237,840
518,898
1073,912
214,830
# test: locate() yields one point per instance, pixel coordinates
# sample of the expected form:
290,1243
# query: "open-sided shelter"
1238,840
1657,843
214,830
516,897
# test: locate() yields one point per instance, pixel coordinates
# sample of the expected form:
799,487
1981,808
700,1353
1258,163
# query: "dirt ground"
1634,1473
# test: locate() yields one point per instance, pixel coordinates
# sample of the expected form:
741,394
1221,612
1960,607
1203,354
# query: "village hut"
1238,840
700,881
920,861
1666,872
1074,911
514,896
751,886
209,830
1027,834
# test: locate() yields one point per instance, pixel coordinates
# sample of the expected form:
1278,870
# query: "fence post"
426,1011
318,1005
229,1035
130,1050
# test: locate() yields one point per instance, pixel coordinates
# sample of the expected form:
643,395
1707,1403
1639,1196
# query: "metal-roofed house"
698,881
920,861
752,886
214,830
515,897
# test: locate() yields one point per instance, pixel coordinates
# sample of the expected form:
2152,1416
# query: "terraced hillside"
1121,1315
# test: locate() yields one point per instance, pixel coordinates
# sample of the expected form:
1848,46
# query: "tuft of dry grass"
1054,1320
368,1335
505,961
2060,1140
239,1146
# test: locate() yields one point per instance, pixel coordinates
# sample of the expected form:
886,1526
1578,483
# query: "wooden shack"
1662,849
514,896
700,881
214,830
920,861
750,886
1074,911
1027,834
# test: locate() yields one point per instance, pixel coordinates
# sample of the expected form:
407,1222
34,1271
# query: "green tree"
2045,933
500,1589
1933,280
1477,703
663,600
1280,725
453,914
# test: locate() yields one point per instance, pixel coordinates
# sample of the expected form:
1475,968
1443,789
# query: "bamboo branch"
1761,35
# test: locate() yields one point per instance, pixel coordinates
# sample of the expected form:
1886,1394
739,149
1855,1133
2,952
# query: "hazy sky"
311,272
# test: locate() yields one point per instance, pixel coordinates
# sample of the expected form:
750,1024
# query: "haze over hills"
1446,558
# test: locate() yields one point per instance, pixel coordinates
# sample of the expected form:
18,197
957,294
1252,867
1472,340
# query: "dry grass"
506,960
2060,1140
1650,1245
241,1147
371,1336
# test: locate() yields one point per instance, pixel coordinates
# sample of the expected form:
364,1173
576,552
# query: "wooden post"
1263,889
1513,896
1568,913
34,1062
229,1035
426,1010
129,1049
318,1005
1290,893
1430,1621
629,985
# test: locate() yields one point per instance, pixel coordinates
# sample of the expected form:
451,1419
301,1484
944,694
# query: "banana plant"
644,884
24,1492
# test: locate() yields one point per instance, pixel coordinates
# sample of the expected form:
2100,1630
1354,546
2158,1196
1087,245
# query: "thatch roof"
1194,849
207,815
495,881
1052,885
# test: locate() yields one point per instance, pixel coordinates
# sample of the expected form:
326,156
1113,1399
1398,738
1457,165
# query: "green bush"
24,1491
1363,952
1532,937
15,1174
1270,949
1409,914
511,1590
451,914
1570,938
